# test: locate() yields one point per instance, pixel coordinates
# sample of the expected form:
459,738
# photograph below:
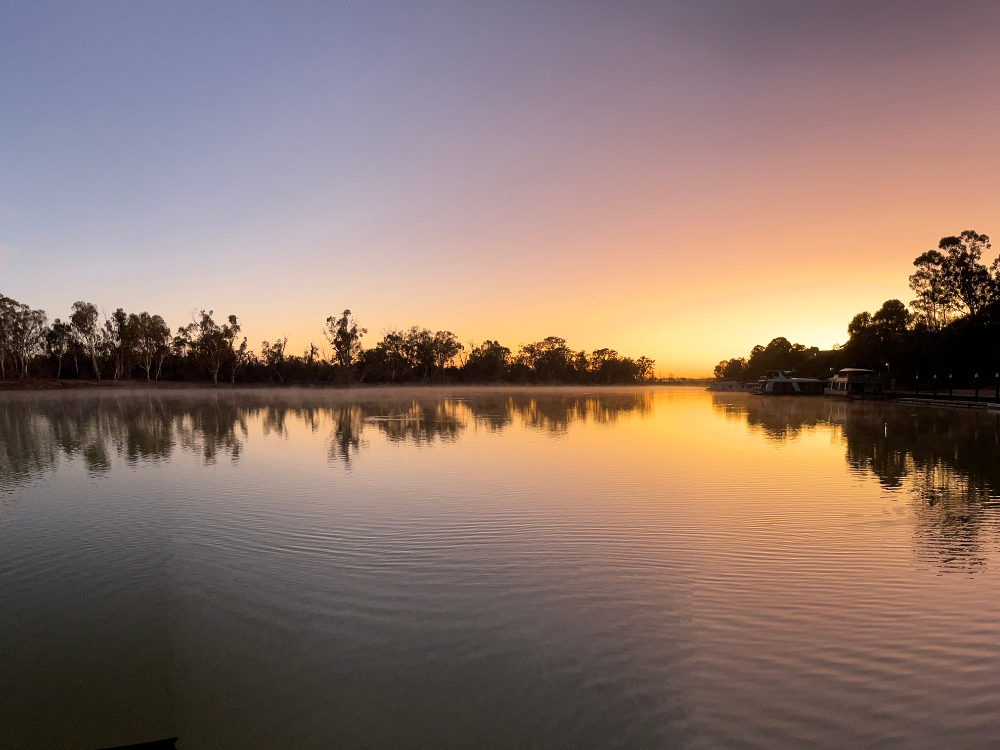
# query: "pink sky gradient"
680,181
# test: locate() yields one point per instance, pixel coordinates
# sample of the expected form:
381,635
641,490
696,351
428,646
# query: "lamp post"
935,385
950,390
997,377
887,373
977,385
918,385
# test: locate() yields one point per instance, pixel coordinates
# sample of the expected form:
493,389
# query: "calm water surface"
644,568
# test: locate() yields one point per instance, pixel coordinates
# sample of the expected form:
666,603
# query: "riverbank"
51,384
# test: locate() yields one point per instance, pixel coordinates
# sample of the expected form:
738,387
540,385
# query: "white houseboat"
782,382
854,382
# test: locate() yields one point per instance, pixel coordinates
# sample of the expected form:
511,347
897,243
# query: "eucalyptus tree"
344,336
970,281
935,300
152,340
393,348
212,343
8,307
273,355
644,368
88,332
603,365
27,335
420,352
121,336
58,340
446,347
242,356
549,359
489,361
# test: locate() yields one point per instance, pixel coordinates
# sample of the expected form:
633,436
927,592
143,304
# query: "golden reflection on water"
944,460
652,567
143,427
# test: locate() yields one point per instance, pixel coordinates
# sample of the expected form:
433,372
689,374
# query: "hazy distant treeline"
124,345
952,327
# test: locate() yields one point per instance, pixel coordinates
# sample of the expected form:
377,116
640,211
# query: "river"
496,568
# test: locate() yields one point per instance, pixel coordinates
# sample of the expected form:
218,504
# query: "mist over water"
644,567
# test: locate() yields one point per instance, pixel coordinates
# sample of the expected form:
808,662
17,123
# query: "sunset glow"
681,181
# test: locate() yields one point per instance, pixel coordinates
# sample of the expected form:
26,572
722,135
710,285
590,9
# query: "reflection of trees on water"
37,431
556,412
947,459
345,440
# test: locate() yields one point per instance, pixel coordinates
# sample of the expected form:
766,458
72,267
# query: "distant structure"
854,382
784,383
730,386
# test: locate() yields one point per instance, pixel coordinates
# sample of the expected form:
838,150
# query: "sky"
676,180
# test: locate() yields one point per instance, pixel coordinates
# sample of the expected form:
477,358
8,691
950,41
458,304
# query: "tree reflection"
948,460
98,429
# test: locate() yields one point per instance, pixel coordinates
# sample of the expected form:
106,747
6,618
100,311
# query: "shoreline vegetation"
97,348
139,385
948,337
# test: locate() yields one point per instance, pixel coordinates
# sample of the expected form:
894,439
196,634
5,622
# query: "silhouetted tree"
242,356
446,348
58,339
421,355
731,369
27,335
969,280
344,336
8,309
152,340
273,355
88,332
488,362
212,343
935,301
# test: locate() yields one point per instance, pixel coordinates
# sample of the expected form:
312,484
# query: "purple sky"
677,180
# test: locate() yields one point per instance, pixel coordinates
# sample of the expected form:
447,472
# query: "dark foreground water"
646,568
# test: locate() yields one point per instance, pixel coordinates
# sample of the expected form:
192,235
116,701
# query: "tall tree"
344,336
970,281
549,359
210,342
58,339
490,361
152,340
8,308
393,348
88,332
420,353
644,368
935,298
27,335
242,356
891,320
121,336
273,355
446,348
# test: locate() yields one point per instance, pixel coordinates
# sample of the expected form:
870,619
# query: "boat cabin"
855,382
784,382
728,385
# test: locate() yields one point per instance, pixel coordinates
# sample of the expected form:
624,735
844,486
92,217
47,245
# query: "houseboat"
783,382
854,382
729,386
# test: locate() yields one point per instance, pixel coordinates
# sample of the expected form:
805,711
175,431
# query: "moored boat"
784,383
855,382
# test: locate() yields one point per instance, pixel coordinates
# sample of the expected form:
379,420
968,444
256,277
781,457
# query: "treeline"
950,329
123,346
